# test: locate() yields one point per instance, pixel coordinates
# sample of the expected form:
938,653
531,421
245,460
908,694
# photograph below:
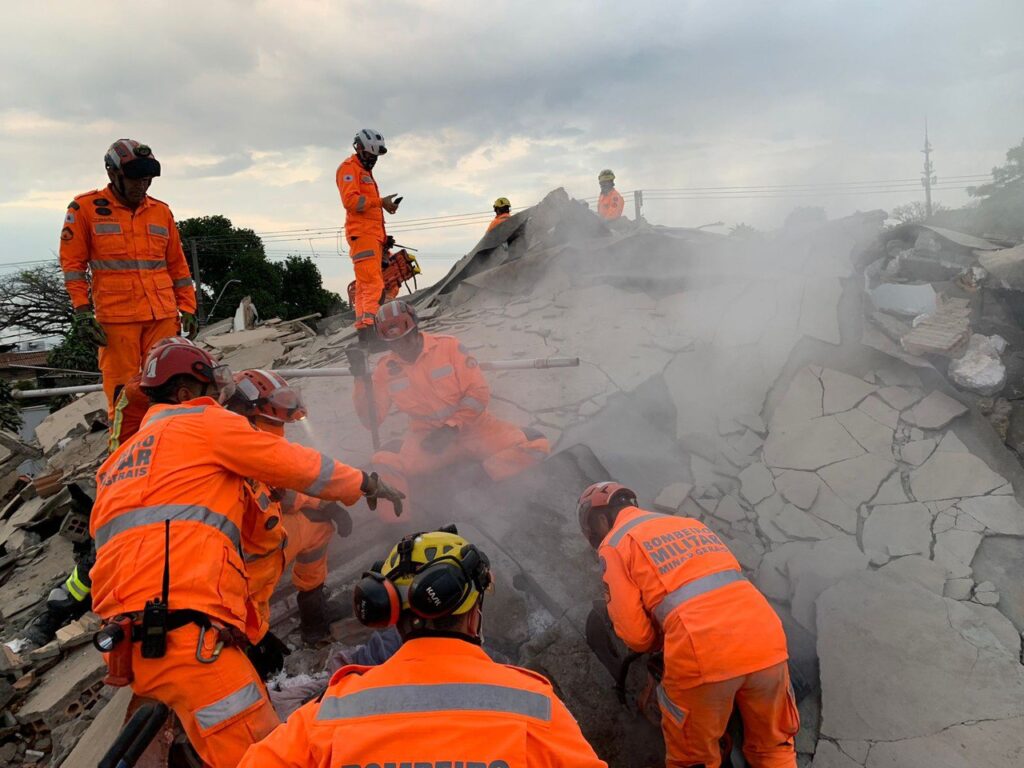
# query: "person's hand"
85,323
189,324
267,656
389,243
388,203
356,360
438,440
375,488
331,512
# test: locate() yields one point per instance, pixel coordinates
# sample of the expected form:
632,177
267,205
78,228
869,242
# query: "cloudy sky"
251,106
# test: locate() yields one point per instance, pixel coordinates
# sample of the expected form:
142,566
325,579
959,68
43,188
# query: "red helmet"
134,160
161,343
599,496
174,359
266,394
395,320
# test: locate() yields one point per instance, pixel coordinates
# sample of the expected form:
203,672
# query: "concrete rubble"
740,383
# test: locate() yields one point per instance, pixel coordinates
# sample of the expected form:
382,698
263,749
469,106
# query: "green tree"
226,252
1001,201
35,300
10,413
915,212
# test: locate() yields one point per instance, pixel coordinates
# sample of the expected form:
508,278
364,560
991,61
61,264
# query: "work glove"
333,512
267,656
189,324
389,203
389,243
356,360
438,440
86,324
374,488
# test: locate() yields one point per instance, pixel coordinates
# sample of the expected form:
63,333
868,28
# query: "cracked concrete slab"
998,514
858,479
798,488
801,402
811,573
880,412
842,391
874,437
900,398
935,411
756,483
992,743
810,445
953,475
898,530
923,662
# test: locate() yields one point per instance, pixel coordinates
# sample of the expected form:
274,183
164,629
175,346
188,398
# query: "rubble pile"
800,393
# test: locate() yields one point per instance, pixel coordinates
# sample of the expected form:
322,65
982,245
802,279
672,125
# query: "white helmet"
370,141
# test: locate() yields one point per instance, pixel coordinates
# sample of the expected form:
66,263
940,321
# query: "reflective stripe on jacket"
437,701
673,577
444,385
187,464
359,194
129,410
128,264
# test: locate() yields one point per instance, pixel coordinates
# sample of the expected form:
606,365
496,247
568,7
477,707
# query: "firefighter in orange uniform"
127,244
671,583
364,225
167,523
440,697
438,384
131,403
308,523
610,203
502,212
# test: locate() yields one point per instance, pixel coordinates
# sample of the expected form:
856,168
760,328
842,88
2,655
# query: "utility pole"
638,202
928,175
195,277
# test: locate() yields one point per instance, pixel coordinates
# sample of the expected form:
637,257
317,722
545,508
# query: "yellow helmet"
437,573
502,202
606,175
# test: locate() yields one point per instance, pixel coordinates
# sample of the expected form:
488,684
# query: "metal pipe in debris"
314,373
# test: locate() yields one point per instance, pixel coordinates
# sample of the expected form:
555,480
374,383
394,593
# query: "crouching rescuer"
440,700
170,581
672,585
439,386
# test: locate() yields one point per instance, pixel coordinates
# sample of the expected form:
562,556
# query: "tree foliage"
1001,201
10,413
915,212
226,252
35,300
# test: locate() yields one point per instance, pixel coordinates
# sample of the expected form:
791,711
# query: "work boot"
317,613
61,609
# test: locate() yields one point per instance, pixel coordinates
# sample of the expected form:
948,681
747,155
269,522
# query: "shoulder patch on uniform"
66,234
104,211
101,201
471,362
394,367
69,218
73,205
530,673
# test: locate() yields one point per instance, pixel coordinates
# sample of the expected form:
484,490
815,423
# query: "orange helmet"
395,320
173,359
266,394
597,497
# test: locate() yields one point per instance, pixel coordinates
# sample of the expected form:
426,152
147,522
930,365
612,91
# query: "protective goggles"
281,406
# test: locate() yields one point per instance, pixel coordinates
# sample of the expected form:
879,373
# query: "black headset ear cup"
375,601
477,566
438,590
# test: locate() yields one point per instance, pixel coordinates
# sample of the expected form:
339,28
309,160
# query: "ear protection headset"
438,588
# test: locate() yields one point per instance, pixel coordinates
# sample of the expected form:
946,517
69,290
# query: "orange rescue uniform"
671,581
364,230
130,406
436,702
140,279
501,218
610,205
182,476
443,387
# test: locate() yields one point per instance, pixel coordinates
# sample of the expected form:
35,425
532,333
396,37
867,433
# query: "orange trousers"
307,549
127,346
693,720
223,706
500,446
366,257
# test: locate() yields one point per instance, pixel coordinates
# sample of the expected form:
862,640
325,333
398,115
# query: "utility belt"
151,627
